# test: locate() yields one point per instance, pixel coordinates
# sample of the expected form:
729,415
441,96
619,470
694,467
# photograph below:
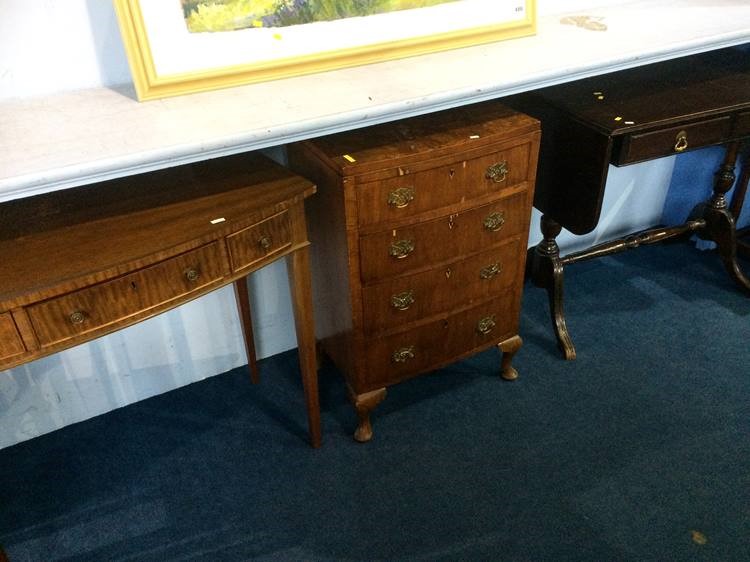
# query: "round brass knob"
402,301
192,274
401,249
494,221
77,317
401,197
485,325
490,271
403,354
265,243
497,172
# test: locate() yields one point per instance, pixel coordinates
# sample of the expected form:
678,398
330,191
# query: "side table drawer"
10,341
407,195
397,251
395,357
404,299
97,306
638,147
259,241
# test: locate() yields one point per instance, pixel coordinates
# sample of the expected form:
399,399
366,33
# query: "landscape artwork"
229,15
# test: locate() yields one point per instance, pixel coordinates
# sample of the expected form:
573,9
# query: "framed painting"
183,46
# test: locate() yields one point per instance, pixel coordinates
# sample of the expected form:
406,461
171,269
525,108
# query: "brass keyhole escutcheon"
497,172
77,317
490,271
265,243
452,222
192,274
401,197
494,221
401,249
404,354
486,324
681,142
402,301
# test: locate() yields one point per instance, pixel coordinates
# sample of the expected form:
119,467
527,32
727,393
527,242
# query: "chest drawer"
398,251
259,241
10,341
91,308
463,180
411,297
398,356
643,146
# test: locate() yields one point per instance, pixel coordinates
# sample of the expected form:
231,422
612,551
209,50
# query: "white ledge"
70,139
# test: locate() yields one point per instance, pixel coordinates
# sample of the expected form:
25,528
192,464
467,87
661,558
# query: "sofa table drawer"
463,180
10,341
398,301
398,251
396,357
257,242
100,305
655,144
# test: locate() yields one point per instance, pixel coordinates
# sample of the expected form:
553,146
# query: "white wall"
54,45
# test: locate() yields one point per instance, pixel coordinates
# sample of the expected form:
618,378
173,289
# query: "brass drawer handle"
490,271
485,325
265,243
403,354
681,142
402,301
192,274
77,317
497,172
401,249
494,221
401,197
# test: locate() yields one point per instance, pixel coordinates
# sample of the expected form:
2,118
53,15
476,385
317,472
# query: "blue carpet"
624,454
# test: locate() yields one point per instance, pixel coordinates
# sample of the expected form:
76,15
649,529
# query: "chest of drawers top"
412,145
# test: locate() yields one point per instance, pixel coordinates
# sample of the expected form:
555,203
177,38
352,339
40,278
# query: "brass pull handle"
401,249
681,142
265,243
494,221
402,301
77,317
403,354
485,325
192,274
401,197
490,271
497,172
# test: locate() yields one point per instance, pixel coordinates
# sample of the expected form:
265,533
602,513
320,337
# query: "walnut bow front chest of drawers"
419,234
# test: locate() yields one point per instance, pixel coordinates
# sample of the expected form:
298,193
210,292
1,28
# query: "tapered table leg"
298,267
243,307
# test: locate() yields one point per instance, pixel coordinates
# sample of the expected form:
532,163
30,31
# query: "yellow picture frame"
150,83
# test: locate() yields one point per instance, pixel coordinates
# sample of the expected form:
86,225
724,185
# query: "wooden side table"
85,262
626,117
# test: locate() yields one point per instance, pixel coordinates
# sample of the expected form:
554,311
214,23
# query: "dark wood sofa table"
627,117
85,262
